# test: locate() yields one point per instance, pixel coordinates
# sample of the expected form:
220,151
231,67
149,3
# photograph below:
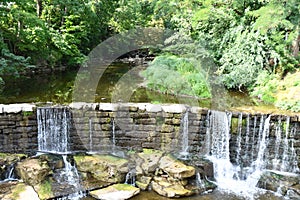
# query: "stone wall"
18,128
136,126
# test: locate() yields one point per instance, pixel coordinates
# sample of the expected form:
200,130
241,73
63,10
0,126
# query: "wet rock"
6,187
205,167
149,160
143,182
6,160
115,192
169,187
176,168
33,171
20,191
280,182
105,168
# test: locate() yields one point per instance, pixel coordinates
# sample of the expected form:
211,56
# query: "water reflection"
58,87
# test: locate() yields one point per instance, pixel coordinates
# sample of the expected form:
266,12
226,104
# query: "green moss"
124,187
27,113
14,156
17,190
234,125
150,151
45,190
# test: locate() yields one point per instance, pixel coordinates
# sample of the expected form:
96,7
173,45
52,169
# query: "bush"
180,76
285,93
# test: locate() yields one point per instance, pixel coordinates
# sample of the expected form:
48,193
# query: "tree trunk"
295,47
38,8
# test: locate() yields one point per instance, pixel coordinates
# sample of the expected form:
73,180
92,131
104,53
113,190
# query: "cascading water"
239,139
90,135
289,156
185,136
53,129
54,126
113,136
253,154
9,174
70,176
130,177
219,146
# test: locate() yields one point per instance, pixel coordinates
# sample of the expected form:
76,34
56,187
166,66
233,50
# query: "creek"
240,153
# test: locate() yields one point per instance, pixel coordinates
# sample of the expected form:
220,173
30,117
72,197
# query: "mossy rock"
116,192
105,168
21,191
176,168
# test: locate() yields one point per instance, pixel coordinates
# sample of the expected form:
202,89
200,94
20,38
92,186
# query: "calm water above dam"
58,88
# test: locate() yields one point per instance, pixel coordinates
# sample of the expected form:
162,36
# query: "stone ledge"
16,108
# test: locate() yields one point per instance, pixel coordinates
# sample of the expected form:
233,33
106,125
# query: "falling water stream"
184,151
53,129
237,173
53,136
239,177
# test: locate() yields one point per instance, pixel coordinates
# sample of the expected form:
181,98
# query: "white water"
241,178
239,139
227,174
185,135
9,174
130,178
53,129
71,177
200,183
113,135
90,135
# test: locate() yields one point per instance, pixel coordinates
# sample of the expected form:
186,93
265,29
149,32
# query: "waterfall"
239,139
219,147
289,157
253,154
228,176
277,144
185,136
253,138
199,182
53,129
90,135
9,174
70,176
259,163
113,136
130,177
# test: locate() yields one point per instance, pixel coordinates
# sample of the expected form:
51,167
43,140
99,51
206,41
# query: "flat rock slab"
176,168
116,192
20,191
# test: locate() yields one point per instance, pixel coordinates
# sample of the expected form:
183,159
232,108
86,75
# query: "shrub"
180,76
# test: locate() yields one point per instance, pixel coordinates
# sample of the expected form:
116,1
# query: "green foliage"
265,87
244,58
173,75
282,93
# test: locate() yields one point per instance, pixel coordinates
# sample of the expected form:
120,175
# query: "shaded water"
58,88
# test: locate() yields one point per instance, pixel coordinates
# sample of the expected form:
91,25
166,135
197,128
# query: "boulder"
143,182
170,187
105,168
33,171
150,160
176,168
7,160
285,183
115,192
